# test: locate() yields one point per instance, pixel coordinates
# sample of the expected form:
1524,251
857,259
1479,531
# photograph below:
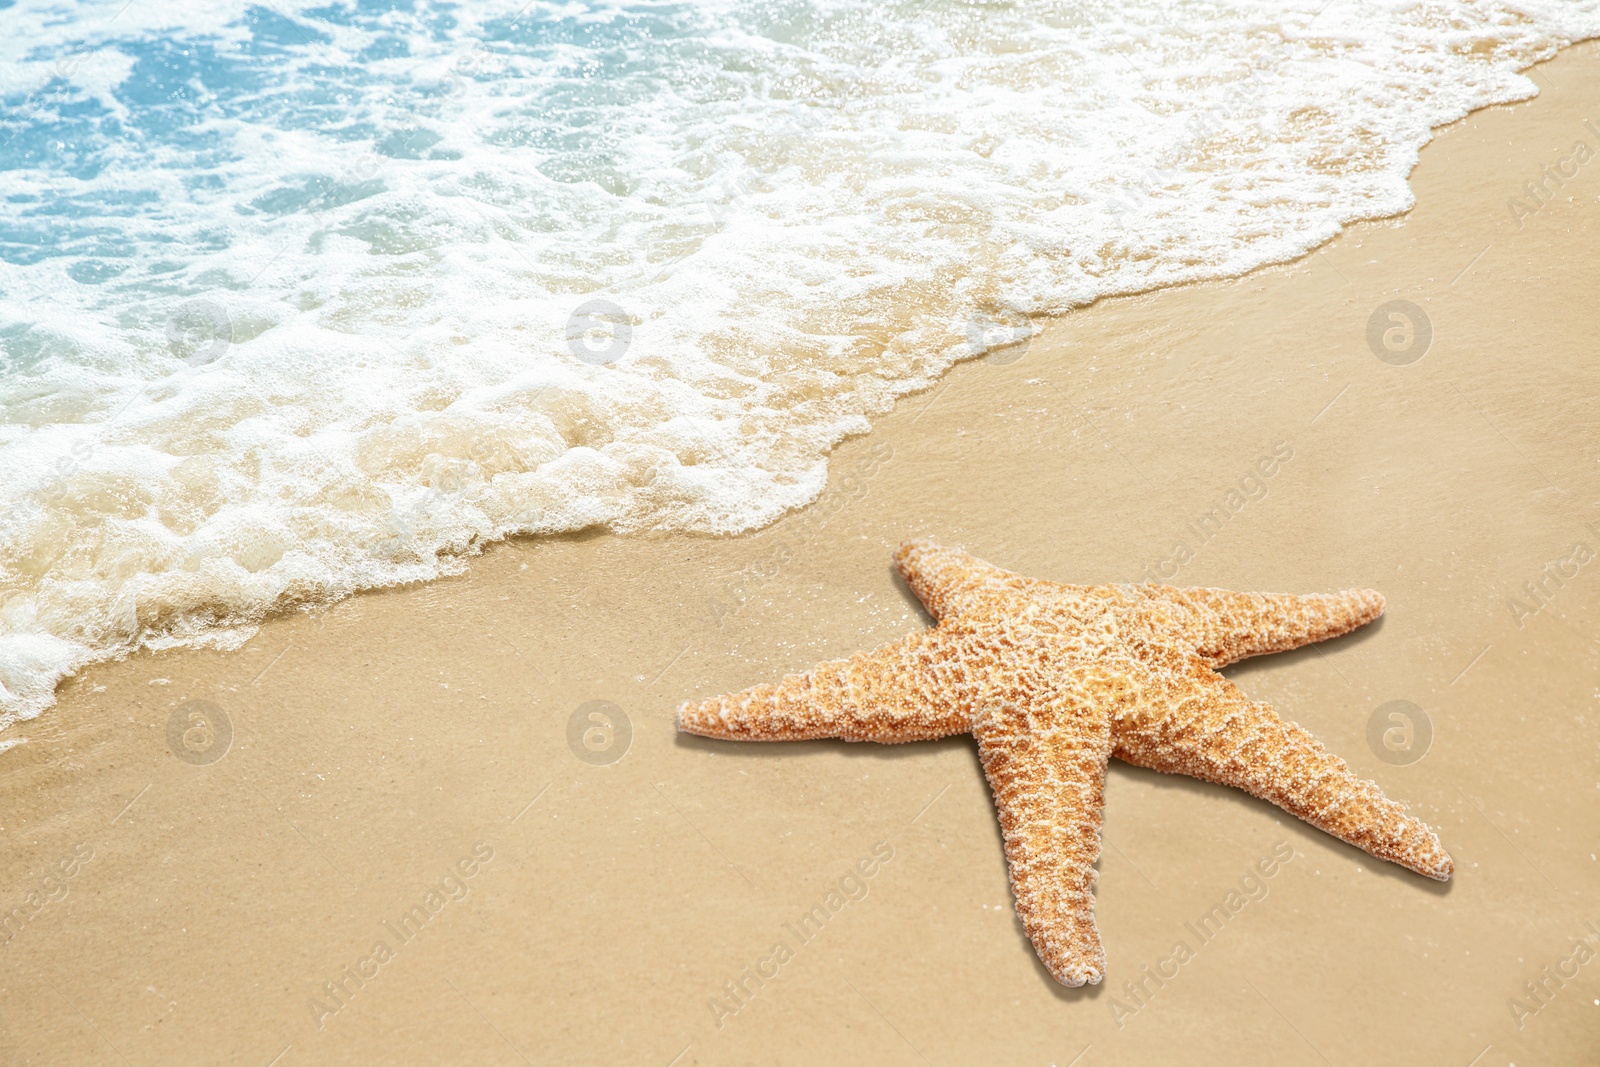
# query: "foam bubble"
301,300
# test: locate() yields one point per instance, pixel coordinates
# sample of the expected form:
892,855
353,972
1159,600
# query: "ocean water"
301,299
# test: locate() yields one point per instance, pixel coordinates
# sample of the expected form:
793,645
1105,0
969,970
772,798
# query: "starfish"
1055,679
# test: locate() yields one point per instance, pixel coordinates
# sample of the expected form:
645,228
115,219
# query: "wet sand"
404,771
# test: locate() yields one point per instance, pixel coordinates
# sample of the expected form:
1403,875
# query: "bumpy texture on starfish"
1055,679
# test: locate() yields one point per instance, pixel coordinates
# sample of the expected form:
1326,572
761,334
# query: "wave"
300,301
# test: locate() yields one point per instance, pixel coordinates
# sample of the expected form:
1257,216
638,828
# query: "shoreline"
213,611
376,742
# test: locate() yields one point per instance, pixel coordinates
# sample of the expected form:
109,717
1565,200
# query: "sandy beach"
454,822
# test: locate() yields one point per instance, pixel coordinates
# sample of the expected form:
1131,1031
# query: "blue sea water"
304,298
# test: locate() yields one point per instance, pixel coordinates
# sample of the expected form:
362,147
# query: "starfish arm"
1215,733
910,690
1227,627
1047,770
949,581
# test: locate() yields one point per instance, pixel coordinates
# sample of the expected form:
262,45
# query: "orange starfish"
1055,679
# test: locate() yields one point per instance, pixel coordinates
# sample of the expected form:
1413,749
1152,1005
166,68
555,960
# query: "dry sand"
377,745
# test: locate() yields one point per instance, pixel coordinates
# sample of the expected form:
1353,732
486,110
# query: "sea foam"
301,300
